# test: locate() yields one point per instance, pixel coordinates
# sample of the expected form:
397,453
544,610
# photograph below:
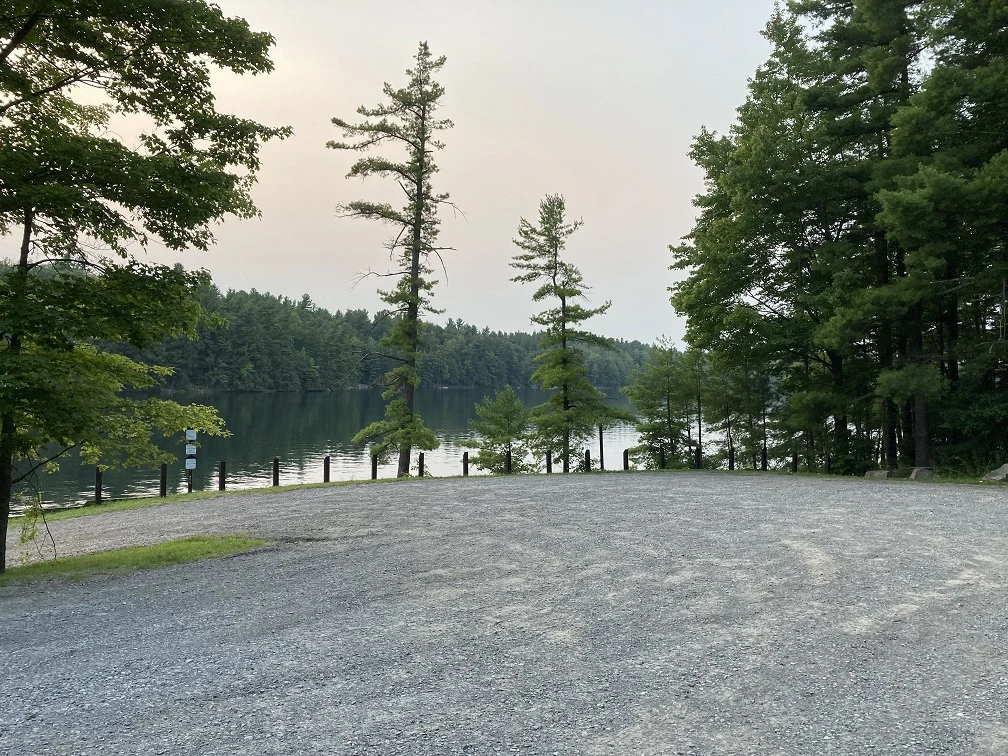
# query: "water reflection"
301,429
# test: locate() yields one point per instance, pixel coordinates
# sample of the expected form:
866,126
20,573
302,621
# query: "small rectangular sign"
190,450
190,464
190,435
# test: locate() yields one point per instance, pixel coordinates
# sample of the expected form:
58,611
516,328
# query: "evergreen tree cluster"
254,341
846,274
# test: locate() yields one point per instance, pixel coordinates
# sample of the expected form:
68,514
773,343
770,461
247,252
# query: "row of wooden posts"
326,465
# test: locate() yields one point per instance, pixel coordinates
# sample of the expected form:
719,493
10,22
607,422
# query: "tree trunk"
699,430
763,450
8,428
669,431
566,388
906,450
731,444
413,307
890,449
840,450
7,431
689,433
922,434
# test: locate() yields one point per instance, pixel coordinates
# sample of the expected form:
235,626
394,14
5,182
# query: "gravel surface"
646,613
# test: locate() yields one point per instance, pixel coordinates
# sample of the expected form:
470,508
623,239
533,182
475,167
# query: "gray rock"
1001,474
881,474
922,473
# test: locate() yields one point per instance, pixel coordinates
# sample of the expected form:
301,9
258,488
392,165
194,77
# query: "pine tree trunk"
689,434
922,435
566,388
669,430
413,308
952,347
890,450
699,431
841,446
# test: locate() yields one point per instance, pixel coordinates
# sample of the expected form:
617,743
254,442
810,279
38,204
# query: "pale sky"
597,101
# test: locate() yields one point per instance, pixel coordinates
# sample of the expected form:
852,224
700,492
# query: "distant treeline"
274,343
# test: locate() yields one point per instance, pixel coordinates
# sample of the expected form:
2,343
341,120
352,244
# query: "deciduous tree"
81,201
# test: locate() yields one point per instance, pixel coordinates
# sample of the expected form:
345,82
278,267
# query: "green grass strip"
134,558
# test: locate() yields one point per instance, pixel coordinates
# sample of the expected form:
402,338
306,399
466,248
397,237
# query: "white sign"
190,435
190,464
190,449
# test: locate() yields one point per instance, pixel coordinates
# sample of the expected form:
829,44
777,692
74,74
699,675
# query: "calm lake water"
301,429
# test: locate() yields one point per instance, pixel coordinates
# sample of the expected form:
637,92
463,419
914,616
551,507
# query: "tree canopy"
82,201
850,242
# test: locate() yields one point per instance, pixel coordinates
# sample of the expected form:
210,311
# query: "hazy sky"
597,101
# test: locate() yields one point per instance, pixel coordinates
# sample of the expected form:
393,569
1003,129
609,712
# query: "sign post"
190,456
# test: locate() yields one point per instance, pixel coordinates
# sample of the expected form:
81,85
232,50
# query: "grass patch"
134,558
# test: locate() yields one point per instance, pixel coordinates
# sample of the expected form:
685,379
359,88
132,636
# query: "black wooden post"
97,485
661,457
549,462
829,465
587,460
763,459
794,462
420,465
374,467
222,476
325,469
276,471
601,450
507,461
731,458
164,480
626,459
465,465
189,481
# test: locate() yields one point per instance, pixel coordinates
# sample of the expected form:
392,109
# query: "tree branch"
57,455
19,36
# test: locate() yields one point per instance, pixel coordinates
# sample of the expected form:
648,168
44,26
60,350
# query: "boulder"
1000,475
881,474
921,473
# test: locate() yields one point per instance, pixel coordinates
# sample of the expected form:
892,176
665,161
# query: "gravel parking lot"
645,613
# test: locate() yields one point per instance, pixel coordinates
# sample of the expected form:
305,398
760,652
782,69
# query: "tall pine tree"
576,406
409,121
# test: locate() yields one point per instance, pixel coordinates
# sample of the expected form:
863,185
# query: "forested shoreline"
257,341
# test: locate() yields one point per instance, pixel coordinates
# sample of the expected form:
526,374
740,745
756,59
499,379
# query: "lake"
301,429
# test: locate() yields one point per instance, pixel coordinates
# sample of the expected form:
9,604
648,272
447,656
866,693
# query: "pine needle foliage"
408,121
503,425
576,406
